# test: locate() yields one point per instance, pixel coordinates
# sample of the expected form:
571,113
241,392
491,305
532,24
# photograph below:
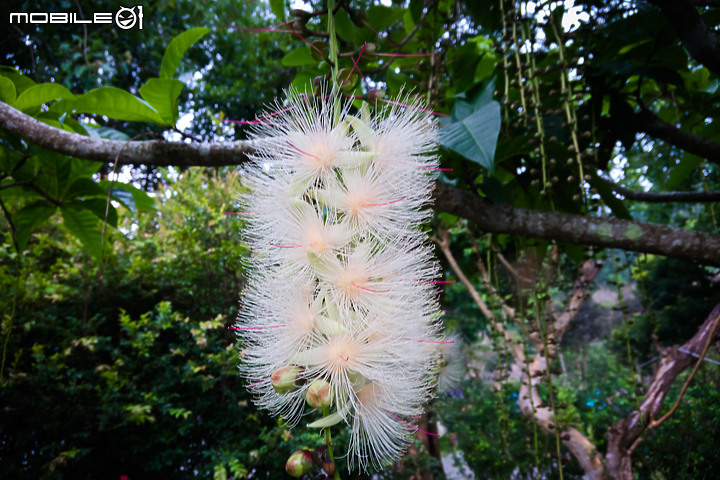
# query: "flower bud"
300,463
286,379
329,467
318,394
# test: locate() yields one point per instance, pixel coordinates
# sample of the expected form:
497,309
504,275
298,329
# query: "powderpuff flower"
341,297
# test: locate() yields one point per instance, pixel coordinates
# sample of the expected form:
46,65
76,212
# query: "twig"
661,420
13,231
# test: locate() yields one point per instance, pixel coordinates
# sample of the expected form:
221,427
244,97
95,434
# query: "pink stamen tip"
356,61
238,213
369,289
417,429
406,54
249,122
275,113
415,108
285,246
438,281
304,153
257,328
257,383
383,204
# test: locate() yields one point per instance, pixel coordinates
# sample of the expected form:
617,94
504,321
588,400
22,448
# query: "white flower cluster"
341,288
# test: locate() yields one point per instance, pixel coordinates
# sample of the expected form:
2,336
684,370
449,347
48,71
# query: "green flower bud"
286,379
300,463
319,394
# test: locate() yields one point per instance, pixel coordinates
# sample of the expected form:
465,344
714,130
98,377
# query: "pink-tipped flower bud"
286,379
318,394
300,463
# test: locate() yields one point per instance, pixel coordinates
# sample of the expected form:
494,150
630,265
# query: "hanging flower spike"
340,309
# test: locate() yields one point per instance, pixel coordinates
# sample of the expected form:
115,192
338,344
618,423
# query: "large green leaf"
278,9
131,197
41,93
162,94
82,223
20,81
84,188
299,56
98,206
177,48
475,136
115,103
7,91
29,218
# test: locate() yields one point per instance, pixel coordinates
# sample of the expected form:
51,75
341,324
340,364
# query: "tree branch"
154,152
697,38
649,123
693,246
663,197
626,434
697,247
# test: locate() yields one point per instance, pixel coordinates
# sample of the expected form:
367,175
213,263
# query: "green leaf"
82,223
109,133
177,48
115,103
98,206
42,93
616,205
162,94
219,472
299,56
238,469
123,196
84,188
29,218
7,91
137,198
381,17
475,136
20,81
680,172
278,9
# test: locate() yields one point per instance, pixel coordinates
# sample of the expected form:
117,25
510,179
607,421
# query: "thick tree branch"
697,247
649,123
697,38
626,434
664,197
153,152
578,229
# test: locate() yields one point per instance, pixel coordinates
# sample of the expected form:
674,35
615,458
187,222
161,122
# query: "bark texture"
625,435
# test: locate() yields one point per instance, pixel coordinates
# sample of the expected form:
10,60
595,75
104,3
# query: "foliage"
126,367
